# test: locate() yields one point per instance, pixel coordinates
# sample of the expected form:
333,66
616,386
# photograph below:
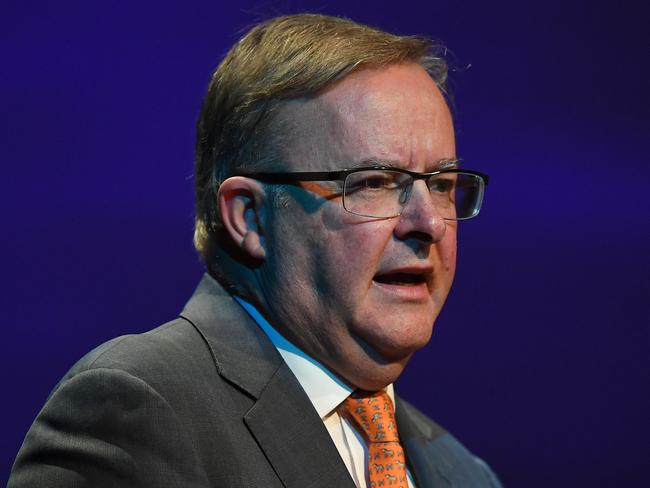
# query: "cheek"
355,252
447,249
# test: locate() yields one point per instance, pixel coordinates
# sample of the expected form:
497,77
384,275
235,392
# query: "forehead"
394,114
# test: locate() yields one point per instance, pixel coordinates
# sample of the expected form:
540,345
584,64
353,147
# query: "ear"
240,202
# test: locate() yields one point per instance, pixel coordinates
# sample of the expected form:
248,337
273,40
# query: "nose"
420,220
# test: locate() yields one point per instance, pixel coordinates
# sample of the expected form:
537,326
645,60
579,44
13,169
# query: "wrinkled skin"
321,281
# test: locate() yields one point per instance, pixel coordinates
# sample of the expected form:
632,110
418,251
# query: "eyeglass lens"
384,193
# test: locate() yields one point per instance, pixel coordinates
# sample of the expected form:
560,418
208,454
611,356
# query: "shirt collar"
324,389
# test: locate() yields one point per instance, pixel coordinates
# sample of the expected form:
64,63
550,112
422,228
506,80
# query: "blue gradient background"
540,360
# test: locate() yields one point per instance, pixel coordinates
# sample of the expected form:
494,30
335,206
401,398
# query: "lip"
409,291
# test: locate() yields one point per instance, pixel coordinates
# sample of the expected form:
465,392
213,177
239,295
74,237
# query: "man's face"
356,293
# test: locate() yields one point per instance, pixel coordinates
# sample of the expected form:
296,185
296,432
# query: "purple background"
540,361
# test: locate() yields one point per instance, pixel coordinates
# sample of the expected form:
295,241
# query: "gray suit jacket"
206,401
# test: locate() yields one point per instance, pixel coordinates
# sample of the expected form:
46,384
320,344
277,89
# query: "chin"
373,371
381,376
398,341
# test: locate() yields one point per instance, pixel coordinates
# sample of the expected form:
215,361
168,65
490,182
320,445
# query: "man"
328,196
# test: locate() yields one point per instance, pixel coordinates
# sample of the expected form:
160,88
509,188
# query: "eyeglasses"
382,192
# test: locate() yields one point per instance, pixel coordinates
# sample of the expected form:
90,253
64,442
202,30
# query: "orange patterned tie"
372,413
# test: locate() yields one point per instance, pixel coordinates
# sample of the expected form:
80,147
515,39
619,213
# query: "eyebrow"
448,164
380,163
385,163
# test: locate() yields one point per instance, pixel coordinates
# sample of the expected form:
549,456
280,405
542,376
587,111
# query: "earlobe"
240,204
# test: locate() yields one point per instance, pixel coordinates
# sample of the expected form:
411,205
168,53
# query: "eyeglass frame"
342,174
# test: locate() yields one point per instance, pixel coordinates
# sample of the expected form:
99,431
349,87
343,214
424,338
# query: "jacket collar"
419,437
241,351
282,419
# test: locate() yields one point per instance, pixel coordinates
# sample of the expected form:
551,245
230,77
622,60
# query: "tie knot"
373,414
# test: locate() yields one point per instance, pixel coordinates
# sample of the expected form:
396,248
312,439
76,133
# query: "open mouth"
403,279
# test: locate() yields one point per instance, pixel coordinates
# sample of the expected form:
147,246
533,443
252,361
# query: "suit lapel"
282,419
417,438
241,351
301,450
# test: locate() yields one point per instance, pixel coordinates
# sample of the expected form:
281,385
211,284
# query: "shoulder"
168,352
111,420
137,349
144,409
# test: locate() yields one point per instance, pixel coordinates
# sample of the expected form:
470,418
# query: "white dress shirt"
326,392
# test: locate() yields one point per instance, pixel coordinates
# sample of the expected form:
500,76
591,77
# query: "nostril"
418,236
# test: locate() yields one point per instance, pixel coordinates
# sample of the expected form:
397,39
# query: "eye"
379,182
376,180
442,184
